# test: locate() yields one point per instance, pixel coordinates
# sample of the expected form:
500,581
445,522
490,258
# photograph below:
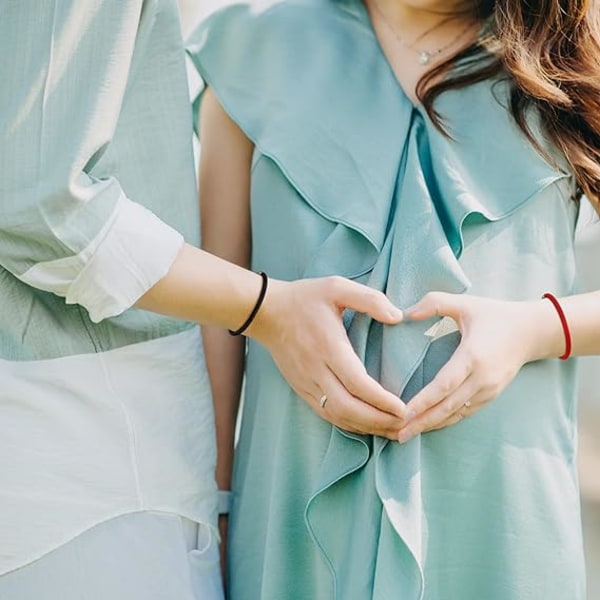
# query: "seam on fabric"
133,452
98,347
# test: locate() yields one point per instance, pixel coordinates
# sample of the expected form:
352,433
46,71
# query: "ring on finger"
460,412
323,400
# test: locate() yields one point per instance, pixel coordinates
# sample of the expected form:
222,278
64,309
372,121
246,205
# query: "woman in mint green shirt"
106,426
436,151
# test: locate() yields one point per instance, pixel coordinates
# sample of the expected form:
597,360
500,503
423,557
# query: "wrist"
256,307
547,338
265,322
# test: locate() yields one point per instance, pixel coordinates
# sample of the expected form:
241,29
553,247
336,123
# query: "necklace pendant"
424,57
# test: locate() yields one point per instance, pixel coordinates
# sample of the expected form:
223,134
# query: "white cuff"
134,251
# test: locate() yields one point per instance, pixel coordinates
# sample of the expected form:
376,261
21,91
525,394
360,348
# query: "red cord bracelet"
563,322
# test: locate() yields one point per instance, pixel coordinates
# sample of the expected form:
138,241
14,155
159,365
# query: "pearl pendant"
424,57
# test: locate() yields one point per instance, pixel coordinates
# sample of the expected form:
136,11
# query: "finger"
451,409
435,304
452,375
361,298
353,376
345,411
477,402
457,417
350,413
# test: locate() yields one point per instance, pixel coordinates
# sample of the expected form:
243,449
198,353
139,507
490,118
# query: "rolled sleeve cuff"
134,251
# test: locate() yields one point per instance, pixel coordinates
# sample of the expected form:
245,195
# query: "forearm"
203,288
583,315
225,364
66,227
582,312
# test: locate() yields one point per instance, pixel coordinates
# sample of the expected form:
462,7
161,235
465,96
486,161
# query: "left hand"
300,324
498,338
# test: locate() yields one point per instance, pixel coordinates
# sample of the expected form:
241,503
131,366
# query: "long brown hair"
550,49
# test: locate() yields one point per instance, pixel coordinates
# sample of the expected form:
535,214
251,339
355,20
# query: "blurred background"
588,249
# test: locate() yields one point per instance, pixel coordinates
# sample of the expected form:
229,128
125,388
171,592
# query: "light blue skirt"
140,556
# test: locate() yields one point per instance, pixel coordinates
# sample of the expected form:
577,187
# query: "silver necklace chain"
424,56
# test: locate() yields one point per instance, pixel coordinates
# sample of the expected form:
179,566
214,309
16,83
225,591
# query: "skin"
300,323
498,337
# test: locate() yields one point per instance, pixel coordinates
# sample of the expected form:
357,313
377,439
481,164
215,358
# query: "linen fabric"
97,184
90,437
350,178
104,411
142,556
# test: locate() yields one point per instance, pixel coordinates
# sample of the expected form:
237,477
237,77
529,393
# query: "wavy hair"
550,50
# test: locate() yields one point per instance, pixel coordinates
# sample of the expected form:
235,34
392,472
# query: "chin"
439,6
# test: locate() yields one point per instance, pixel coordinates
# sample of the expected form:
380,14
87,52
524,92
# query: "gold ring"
323,400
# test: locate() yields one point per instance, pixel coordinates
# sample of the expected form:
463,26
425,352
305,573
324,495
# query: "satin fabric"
350,178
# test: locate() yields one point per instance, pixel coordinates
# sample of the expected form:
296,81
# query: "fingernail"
396,313
404,436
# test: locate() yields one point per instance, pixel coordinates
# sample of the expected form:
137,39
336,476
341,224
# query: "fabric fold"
359,182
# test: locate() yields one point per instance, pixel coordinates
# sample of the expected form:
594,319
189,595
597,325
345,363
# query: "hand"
300,323
498,338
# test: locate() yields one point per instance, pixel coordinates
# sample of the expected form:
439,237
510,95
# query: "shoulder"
274,13
277,26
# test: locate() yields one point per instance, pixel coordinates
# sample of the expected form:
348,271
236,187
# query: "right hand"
300,323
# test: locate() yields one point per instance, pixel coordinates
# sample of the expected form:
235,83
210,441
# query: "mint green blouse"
96,172
104,409
350,178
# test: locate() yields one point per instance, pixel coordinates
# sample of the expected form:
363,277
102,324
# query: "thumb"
361,298
434,304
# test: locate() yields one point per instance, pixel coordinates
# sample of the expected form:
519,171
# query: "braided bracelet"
259,301
563,322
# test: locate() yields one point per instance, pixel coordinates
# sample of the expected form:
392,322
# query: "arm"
583,315
65,232
303,332
61,229
224,201
225,164
498,338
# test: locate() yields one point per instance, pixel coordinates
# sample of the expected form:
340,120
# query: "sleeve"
61,229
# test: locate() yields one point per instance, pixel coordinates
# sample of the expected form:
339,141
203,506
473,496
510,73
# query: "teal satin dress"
350,178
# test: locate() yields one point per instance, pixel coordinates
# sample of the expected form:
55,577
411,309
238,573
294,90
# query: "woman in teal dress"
440,158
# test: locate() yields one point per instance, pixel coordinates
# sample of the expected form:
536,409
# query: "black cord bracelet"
259,301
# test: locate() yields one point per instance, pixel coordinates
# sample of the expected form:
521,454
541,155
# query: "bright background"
588,246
